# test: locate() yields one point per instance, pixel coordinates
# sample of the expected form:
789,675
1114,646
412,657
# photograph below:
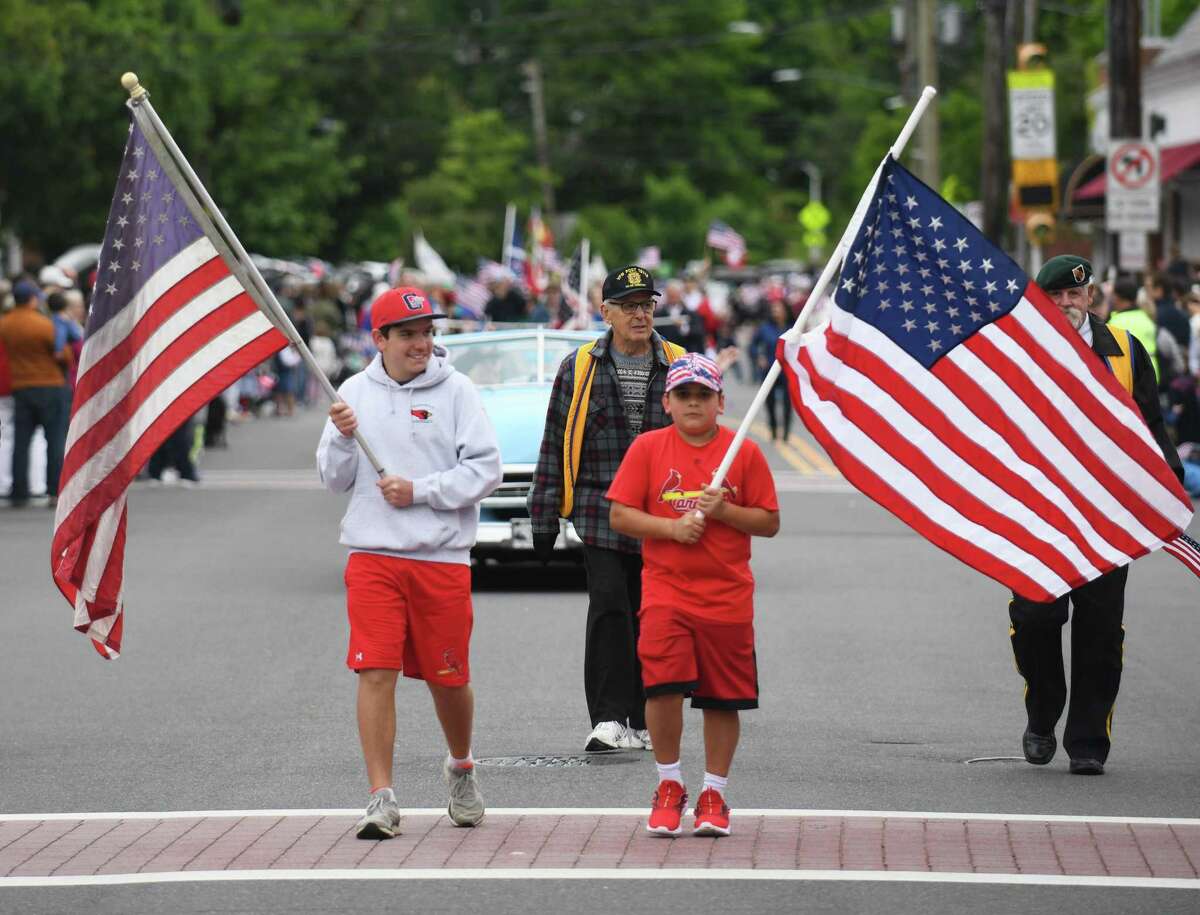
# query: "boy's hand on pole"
397,491
343,418
688,528
711,502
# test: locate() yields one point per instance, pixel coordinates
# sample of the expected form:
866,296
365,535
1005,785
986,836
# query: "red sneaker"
666,810
712,814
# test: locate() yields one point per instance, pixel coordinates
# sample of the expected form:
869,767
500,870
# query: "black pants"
176,452
50,408
1097,639
778,401
612,676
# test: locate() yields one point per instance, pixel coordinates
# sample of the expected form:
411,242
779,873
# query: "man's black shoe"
1039,749
1087,767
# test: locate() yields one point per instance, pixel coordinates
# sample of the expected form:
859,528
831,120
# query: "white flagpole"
209,217
818,291
510,224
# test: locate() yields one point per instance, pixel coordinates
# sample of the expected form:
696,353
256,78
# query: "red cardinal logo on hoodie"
422,414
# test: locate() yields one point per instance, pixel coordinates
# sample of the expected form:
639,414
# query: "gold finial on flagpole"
131,84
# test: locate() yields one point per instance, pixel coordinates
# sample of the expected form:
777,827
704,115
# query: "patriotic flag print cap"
694,367
396,306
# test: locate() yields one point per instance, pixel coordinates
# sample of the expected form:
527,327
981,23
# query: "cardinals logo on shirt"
684,500
422,413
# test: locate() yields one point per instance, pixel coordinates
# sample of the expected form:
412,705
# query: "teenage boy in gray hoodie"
410,533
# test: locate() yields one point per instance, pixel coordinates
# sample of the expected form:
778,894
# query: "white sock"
719,782
466,762
670,772
384,788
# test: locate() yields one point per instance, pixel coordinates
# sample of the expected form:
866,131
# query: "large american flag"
169,329
723,238
947,387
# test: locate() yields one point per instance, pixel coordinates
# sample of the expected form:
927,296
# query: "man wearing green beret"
1097,635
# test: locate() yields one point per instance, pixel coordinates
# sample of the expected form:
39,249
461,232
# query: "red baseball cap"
405,303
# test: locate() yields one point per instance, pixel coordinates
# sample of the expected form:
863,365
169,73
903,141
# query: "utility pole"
533,72
1124,68
928,131
994,164
1124,80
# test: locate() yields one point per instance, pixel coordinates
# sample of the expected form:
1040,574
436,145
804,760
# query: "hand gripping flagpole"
818,291
210,219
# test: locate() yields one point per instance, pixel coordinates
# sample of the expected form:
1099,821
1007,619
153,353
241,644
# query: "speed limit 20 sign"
1031,114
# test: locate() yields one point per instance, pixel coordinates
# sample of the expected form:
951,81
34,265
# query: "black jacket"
1145,387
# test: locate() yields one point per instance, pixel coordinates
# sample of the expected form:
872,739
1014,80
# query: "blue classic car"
514,371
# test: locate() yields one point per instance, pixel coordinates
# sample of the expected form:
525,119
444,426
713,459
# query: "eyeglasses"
632,308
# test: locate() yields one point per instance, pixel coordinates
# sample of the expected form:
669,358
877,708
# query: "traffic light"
1039,228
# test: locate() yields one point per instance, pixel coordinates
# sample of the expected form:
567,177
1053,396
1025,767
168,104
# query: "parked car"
514,371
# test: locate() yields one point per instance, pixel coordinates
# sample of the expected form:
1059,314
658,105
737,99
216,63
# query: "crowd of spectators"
42,318
1162,309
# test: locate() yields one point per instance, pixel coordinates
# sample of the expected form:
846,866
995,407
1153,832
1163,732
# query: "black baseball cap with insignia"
1066,271
627,281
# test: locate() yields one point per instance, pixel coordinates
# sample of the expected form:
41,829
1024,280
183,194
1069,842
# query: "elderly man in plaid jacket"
625,373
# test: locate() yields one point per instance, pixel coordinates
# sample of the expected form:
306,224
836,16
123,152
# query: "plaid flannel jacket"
606,438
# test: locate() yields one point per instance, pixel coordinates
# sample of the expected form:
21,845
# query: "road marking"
606,874
607,811
797,452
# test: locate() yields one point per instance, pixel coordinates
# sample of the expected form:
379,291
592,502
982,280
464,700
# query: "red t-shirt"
664,476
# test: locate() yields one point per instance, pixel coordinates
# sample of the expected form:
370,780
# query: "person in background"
37,369
1167,313
68,334
545,308
1127,314
762,352
507,304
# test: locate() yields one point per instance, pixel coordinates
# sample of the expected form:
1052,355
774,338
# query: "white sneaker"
631,740
382,819
466,803
639,739
607,735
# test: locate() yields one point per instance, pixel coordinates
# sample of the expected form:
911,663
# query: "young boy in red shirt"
697,613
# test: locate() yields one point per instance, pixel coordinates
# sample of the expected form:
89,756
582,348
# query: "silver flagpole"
822,283
218,231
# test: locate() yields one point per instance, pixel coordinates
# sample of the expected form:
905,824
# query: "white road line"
460,874
607,811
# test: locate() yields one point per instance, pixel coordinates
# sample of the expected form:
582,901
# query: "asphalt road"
884,667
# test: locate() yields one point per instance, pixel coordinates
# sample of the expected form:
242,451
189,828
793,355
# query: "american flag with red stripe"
723,238
170,327
949,388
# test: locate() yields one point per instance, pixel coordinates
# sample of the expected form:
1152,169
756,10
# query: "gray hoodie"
433,431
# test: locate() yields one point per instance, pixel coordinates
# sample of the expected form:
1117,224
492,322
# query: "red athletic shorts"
411,616
710,661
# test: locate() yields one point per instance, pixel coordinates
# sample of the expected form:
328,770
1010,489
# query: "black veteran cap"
1064,272
627,281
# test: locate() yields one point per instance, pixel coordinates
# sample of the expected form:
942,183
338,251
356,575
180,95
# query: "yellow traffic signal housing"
1039,229
1036,185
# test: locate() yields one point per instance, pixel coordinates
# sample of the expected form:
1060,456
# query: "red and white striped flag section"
723,238
170,327
947,387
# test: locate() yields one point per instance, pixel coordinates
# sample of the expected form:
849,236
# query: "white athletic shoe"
382,819
632,740
640,739
466,802
607,735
